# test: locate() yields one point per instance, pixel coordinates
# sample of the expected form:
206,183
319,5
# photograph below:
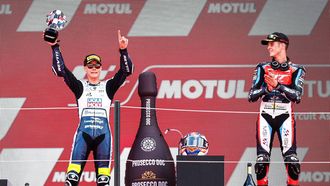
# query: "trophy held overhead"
55,22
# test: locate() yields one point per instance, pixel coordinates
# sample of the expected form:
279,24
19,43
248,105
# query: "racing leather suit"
276,115
94,100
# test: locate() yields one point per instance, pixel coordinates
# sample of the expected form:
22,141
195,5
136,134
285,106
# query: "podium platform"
200,170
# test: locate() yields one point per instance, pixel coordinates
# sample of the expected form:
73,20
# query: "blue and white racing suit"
94,100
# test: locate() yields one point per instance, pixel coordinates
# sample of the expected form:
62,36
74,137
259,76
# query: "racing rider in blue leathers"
94,98
279,84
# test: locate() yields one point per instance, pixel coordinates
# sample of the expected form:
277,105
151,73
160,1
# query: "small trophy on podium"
55,22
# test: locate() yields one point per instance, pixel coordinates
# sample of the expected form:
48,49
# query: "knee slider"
261,166
72,179
103,180
293,166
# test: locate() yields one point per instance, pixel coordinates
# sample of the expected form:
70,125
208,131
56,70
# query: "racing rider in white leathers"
94,98
279,84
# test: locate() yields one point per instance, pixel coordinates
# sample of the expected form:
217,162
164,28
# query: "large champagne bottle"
249,179
149,161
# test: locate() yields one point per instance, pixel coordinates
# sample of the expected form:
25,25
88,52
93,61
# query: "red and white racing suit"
276,116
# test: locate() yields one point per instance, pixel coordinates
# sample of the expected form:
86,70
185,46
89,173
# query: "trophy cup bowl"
55,21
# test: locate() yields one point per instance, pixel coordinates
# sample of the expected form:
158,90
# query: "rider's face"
275,48
93,70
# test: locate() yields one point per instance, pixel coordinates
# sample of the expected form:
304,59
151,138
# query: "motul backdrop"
203,53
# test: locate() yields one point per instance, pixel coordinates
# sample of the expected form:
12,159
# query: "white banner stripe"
35,18
16,164
292,17
9,108
167,18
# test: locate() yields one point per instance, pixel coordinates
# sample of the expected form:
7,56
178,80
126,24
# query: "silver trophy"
55,22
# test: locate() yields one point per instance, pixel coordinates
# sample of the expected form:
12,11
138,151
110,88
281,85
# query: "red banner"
203,54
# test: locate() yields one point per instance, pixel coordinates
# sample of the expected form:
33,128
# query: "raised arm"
61,70
126,67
